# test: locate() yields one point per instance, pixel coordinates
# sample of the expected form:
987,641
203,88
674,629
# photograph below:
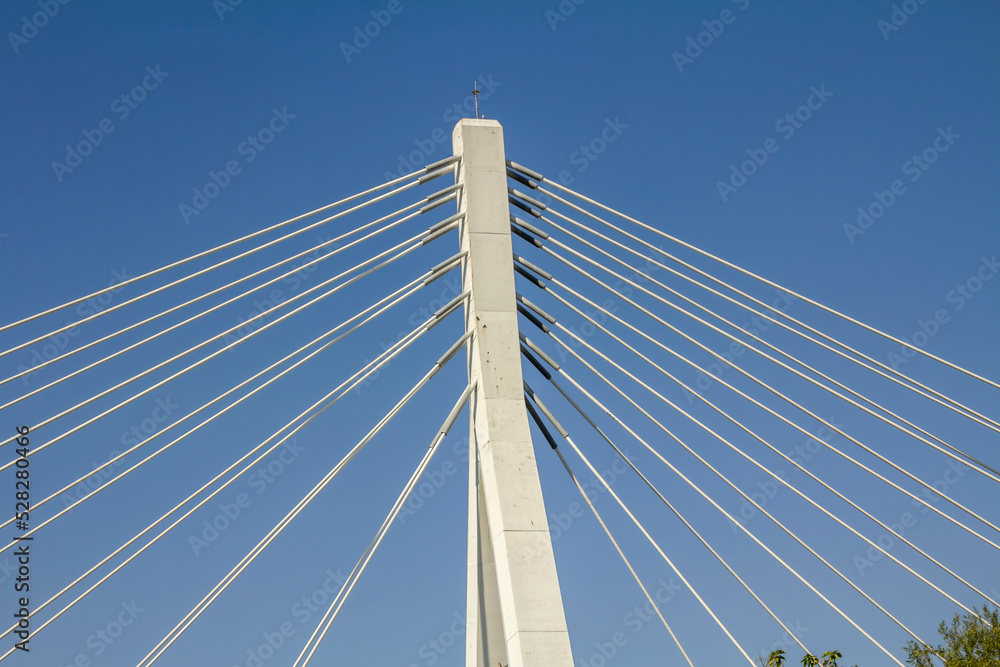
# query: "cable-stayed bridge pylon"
611,314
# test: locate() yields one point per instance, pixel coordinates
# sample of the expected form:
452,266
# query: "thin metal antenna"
475,91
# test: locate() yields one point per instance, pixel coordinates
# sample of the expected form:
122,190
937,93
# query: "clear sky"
845,149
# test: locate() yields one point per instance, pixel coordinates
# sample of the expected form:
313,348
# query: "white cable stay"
725,479
231,576
674,510
707,497
548,376
985,470
191,319
429,198
778,478
431,171
191,431
316,249
211,356
753,275
341,390
415,243
875,365
369,369
378,307
760,439
797,405
969,460
649,537
305,657
552,443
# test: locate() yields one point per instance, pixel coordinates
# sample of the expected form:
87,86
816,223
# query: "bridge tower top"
515,614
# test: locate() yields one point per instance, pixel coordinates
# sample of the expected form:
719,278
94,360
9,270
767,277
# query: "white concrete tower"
515,614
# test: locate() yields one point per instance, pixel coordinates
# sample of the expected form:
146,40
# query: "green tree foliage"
828,659
970,641
776,659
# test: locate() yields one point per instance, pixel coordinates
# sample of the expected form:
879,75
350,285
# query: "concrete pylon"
515,614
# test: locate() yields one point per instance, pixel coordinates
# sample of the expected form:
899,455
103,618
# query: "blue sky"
871,127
